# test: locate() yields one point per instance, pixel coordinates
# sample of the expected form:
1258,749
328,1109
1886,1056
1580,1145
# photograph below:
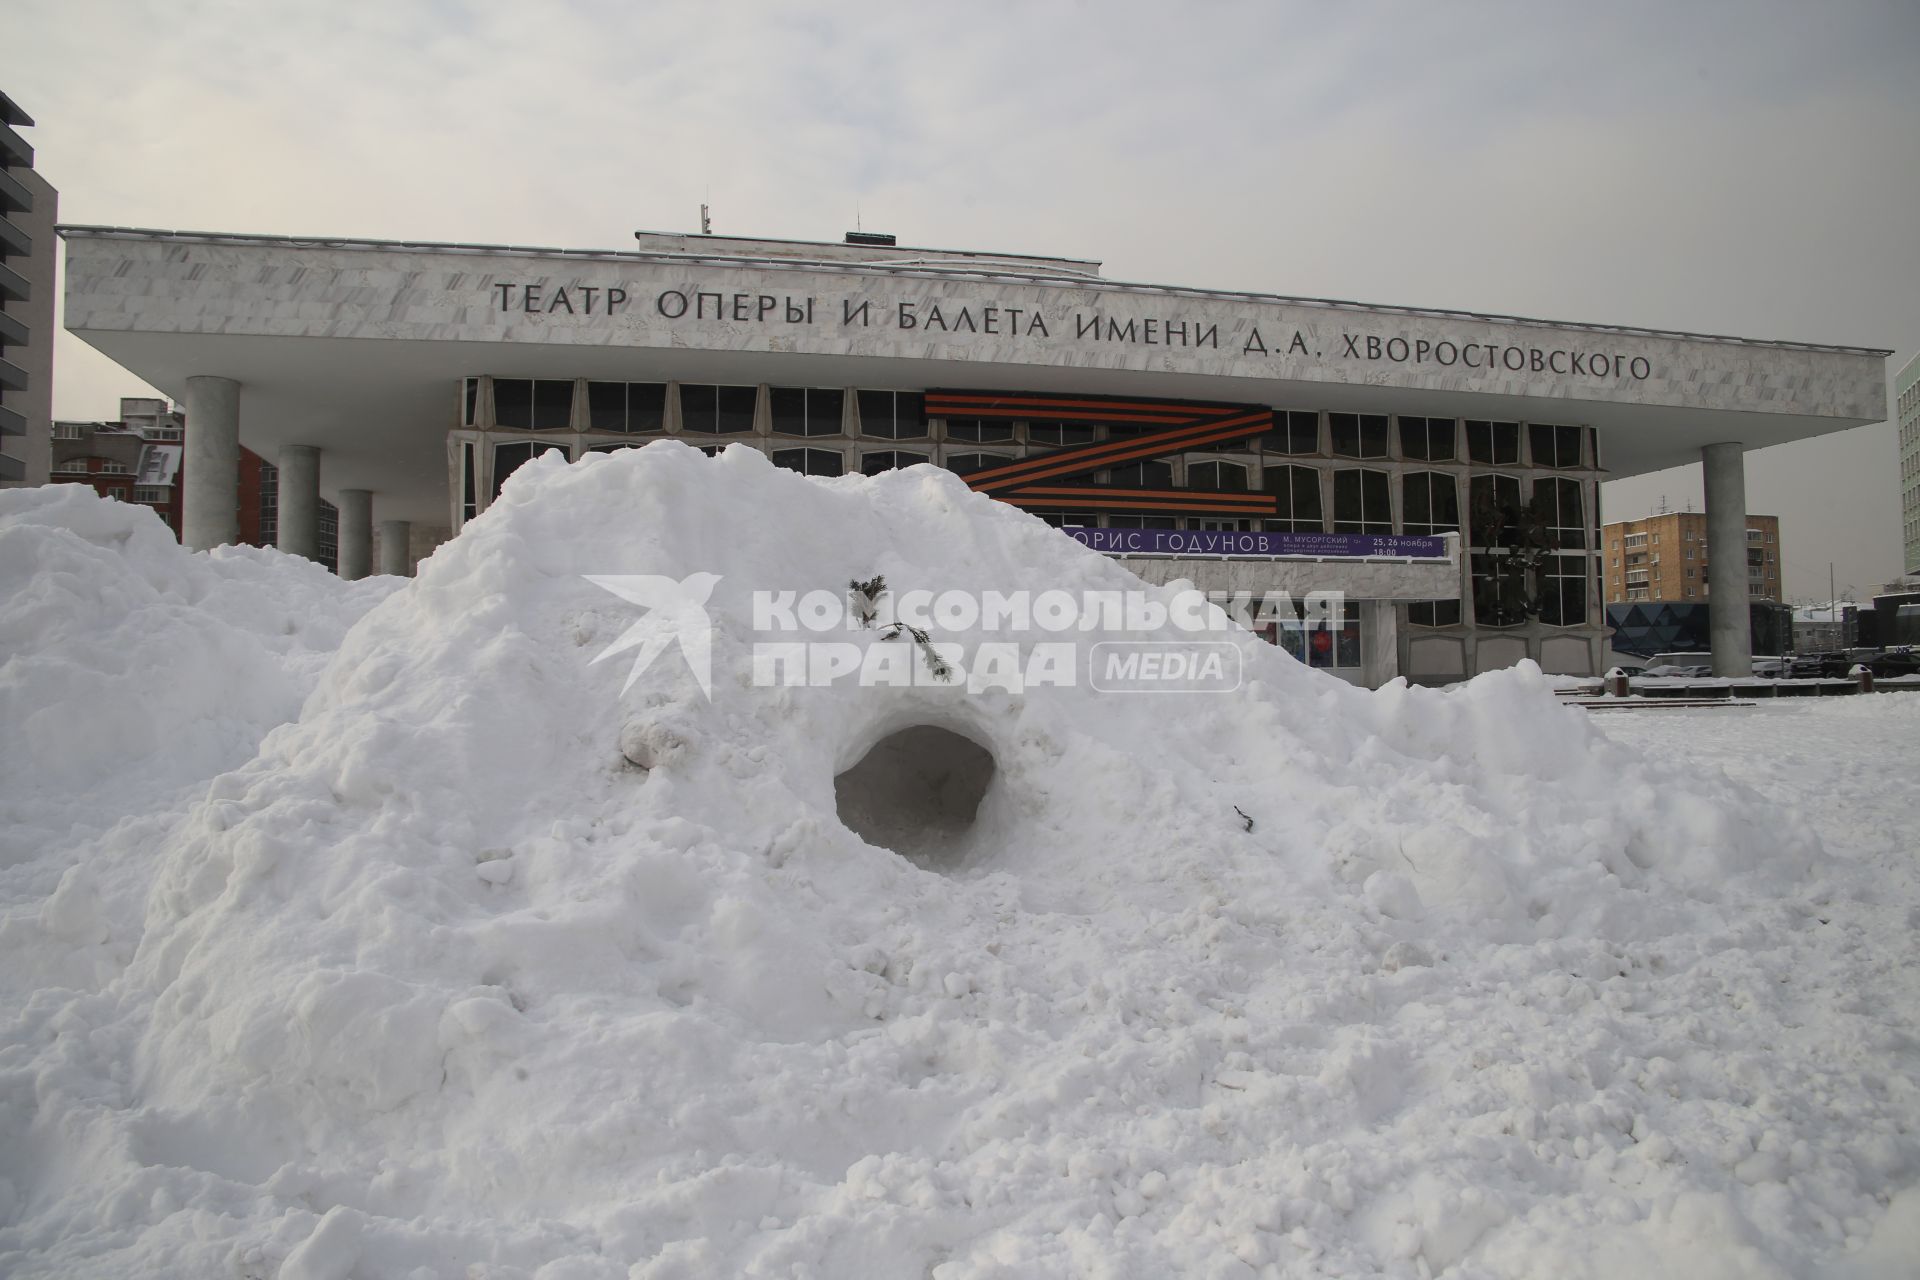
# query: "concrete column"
1728,617
396,536
210,470
299,501
356,533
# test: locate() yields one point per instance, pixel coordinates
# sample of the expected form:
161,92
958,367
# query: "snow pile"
484,967
130,673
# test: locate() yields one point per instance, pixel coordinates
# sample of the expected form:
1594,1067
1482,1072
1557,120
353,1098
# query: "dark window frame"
1367,523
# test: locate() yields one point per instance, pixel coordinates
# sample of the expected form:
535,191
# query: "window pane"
892,415
909,415
1560,500
471,397
963,463
1359,435
733,409
1415,501
1495,511
1430,503
811,462
1413,438
1554,446
606,406
1060,433
1494,443
787,407
826,411
1434,613
552,405
1217,475
1303,432
873,463
1346,500
1308,516
647,406
1345,430
1379,504
697,405
1142,475
513,403
1499,591
1563,591
979,430
805,411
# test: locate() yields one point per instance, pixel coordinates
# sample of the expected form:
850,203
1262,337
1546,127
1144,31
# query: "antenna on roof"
706,221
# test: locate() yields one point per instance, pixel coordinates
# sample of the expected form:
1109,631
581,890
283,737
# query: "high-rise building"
1906,394
1664,557
26,305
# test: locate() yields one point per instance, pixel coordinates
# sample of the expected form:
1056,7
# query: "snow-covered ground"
340,936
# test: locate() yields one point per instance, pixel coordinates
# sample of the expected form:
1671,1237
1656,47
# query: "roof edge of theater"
987,266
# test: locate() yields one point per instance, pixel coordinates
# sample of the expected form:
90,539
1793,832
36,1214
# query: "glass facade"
1522,495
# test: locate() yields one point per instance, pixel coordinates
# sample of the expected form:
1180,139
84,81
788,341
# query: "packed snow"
374,930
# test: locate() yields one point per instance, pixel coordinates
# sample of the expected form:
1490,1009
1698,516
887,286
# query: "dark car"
1819,666
1894,662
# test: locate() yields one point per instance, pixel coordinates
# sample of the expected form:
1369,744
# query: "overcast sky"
1748,168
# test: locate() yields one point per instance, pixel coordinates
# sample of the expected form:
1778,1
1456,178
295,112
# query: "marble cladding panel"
412,295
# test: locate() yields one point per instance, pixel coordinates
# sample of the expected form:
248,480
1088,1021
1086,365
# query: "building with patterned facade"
1439,468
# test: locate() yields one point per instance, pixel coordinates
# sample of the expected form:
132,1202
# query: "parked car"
1770,668
1894,662
1819,666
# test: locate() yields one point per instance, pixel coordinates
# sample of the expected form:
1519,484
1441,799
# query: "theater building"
1440,468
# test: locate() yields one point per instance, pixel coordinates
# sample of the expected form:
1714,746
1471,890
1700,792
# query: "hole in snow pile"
916,793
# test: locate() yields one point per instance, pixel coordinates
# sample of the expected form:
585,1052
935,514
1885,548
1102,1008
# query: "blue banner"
1221,542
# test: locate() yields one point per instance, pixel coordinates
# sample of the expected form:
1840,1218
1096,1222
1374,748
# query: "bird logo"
676,613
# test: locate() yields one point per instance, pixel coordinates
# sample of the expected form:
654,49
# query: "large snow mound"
441,982
130,673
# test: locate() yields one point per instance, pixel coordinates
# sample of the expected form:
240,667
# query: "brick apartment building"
138,458
1664,557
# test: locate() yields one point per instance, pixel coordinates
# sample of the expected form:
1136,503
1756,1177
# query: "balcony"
12,376
14,286
14,242
14,196
13,331
12,422
12,468
15,151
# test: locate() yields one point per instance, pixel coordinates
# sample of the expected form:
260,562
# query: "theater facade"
1439,468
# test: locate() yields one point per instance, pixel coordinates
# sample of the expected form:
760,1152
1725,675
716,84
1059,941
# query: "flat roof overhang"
358,348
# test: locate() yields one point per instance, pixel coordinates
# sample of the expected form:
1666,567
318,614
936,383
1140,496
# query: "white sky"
1748,168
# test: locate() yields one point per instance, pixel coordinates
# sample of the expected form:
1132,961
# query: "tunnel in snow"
917,793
